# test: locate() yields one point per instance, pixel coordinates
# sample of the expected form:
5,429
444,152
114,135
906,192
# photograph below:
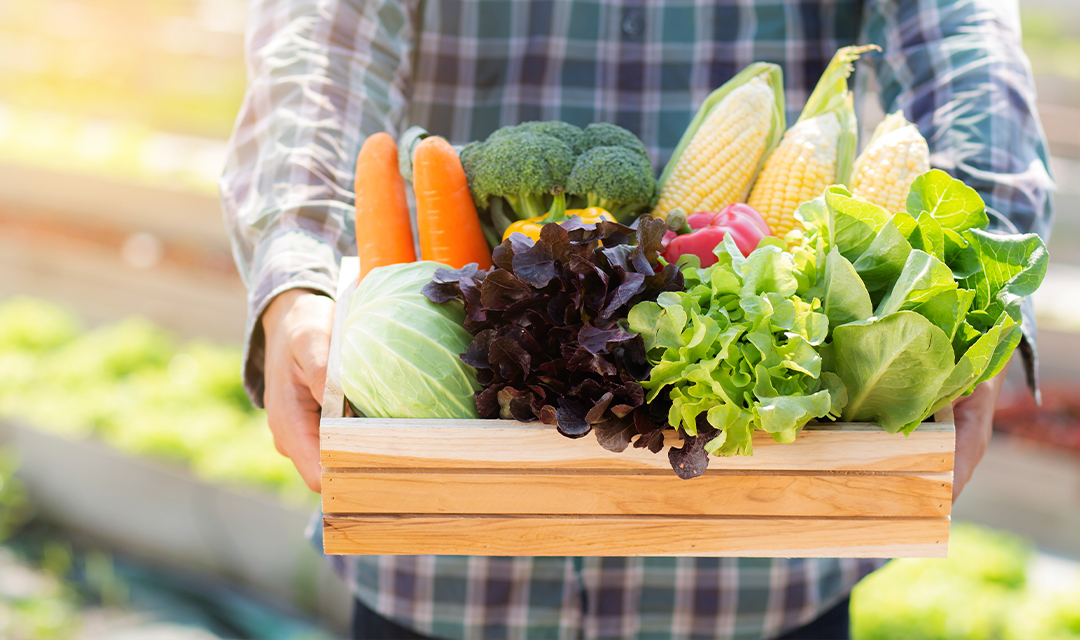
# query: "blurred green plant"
15,509
979,593
136,387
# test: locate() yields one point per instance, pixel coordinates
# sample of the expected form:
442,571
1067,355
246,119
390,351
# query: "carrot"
383,231
445,214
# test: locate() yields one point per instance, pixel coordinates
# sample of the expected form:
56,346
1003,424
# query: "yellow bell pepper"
558,213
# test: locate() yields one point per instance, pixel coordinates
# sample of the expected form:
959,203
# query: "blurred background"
140,494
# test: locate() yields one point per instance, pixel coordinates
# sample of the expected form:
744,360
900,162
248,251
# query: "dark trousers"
368,625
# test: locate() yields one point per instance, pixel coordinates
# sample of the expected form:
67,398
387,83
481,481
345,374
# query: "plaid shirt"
324,74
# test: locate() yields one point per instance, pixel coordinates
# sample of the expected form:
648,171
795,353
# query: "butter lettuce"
945,292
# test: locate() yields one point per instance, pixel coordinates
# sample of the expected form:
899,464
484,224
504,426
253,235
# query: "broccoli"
564,131
521,166
614,178
603,134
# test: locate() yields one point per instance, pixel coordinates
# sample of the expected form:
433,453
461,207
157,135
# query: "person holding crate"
325,74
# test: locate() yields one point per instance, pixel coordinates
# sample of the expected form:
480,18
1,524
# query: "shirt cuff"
287,259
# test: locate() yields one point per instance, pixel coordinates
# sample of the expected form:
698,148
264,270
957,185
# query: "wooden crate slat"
832,495
636,535
353,443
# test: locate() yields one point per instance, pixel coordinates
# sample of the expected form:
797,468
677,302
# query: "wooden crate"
498,487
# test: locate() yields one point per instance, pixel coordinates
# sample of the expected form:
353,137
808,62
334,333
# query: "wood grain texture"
658,493
369,443
636,535
333,396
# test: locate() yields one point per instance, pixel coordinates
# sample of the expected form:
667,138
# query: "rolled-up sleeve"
957,70
322,76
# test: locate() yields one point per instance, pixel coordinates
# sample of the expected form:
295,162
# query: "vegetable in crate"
722,150
618,179
923,305
400,352
523,165
558,213
549,319
705,232
516,172
816,152
445,214
886,169
383,231
737,352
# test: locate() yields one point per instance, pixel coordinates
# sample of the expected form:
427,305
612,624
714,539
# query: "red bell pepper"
708,229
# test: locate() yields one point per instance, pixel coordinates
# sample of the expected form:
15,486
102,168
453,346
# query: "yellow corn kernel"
885,171
717,166
798,170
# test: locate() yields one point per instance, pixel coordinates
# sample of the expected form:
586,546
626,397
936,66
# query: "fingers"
298,428
974,419
297,326
312,348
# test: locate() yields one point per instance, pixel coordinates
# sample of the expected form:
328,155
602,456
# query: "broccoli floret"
564,131
521,166
604,134
613,178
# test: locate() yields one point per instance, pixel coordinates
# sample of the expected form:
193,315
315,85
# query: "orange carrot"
383,231
445,214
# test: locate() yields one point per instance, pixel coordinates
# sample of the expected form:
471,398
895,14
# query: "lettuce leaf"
738,351
893,368
952,203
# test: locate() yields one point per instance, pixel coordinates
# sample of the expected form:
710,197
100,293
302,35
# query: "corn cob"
816,152
722,149
886,169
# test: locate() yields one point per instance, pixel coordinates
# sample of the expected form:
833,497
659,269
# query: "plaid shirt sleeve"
957,69
322,76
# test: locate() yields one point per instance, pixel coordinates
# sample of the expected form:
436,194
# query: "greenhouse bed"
167,517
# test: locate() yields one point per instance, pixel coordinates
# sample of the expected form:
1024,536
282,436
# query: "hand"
297,324
974,417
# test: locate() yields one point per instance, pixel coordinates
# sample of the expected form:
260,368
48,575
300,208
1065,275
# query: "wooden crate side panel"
831,495
642,535
354,443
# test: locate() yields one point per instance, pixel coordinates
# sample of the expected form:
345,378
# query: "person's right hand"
297,324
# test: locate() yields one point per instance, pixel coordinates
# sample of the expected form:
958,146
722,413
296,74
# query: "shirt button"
633,23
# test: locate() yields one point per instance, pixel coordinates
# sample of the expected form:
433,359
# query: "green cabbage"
401,352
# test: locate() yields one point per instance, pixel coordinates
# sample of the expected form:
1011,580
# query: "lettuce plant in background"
134,386
981,592
923,305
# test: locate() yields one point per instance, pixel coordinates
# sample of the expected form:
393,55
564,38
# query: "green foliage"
739,348
979,593
15,508
946,296
115,383
27,325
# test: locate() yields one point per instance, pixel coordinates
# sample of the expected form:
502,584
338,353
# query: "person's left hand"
974,418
